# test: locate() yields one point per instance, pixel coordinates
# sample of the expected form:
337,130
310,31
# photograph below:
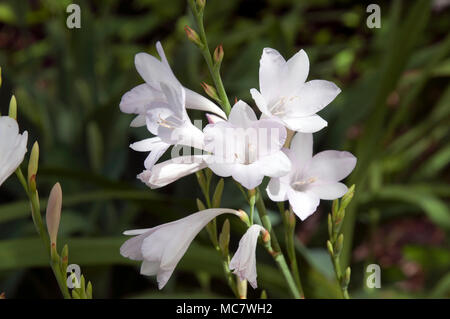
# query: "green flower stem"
275,250
289,227
33,197
212,230
214,70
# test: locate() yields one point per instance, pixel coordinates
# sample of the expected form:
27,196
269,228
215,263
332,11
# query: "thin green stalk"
277,254
33,197
213,70
289,227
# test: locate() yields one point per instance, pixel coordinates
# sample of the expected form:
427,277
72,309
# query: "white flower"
246,148
171,170
285,94
13,147
244,260
154,72
312,178
161,248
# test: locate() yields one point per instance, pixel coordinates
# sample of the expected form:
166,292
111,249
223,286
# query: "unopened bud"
53,213
193,36
210,90
330,226
218,54
347,198
13,108
330,248
266,236
33,166
89,291
65,259
338,245
201,4
224,237
346,277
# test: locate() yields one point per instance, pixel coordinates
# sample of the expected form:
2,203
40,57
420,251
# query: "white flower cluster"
242,146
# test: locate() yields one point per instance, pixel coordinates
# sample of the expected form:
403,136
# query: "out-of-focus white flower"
13,147
244,260
171,170
161,248
285,95
312,178
246,148
154,72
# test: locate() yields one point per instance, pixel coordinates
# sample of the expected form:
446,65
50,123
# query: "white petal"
304,204
275,165
213,119
138,121
13,147
331,166
196,101
249,176
270,74
312,97
242,115
277,190
308,124
328,191
155,155
135,100
302,149
169,171
244,260
162,247
146,145
153,71
295,72
260,102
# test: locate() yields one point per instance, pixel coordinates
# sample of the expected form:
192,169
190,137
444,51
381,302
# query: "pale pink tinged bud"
192,35
53,214
218,54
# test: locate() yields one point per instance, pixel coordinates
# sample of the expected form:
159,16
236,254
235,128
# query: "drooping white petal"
171,170
13,147
196,101
277,190
307,124
304,204
155,146
270,71
162,247
244,260
331,166
328,191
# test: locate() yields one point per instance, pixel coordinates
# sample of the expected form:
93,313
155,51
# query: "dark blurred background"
393,114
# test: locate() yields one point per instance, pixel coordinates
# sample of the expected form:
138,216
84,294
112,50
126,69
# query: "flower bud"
347,198
201,4
330,248
266,236
65,259
53,213
338,245
210,90
33,167
193,36
346,277
224,237
13,108
218,54
217,197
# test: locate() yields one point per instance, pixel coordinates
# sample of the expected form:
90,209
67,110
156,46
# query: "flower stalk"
335,243
214,68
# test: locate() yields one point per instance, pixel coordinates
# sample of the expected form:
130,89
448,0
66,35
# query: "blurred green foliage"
393,114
